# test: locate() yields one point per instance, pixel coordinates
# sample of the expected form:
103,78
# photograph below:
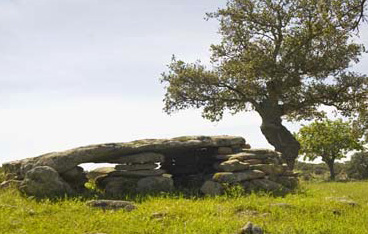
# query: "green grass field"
310,211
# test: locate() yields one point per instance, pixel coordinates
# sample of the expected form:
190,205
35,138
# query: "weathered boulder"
233,177
212,188
290,182
232,165
119,187
155,184
76,178
250,228
268,185
44,181
136,167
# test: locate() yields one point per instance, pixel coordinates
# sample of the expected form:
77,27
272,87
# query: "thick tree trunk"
330,165
278,136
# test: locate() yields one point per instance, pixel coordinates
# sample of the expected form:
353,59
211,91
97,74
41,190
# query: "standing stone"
155,184
212,188
44,181
76,178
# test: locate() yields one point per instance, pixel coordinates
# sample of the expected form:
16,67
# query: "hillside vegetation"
312,209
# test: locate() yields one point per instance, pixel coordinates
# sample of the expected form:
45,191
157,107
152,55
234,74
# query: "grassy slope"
311,212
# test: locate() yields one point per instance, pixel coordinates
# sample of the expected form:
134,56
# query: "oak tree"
281,58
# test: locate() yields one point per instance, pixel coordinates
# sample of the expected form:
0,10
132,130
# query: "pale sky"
79,72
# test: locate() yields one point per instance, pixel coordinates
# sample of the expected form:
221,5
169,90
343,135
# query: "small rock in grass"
336,212
158,215
112,204
343,200
250,228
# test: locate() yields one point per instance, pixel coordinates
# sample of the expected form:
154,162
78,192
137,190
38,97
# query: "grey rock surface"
212,188
44,181
155,184
250,228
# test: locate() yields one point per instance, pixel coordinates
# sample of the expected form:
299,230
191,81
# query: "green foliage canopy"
329,140
281,58
294,55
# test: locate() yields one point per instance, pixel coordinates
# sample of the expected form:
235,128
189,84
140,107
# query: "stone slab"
102,153
142,173
233,177
136,167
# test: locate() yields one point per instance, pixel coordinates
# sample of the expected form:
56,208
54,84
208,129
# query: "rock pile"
155,165
136,173
253,169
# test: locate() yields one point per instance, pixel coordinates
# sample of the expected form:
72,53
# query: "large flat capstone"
117,152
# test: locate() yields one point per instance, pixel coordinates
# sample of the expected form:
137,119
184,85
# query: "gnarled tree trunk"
278,136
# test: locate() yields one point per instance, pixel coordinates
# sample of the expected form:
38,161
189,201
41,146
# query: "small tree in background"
329,140
357,167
